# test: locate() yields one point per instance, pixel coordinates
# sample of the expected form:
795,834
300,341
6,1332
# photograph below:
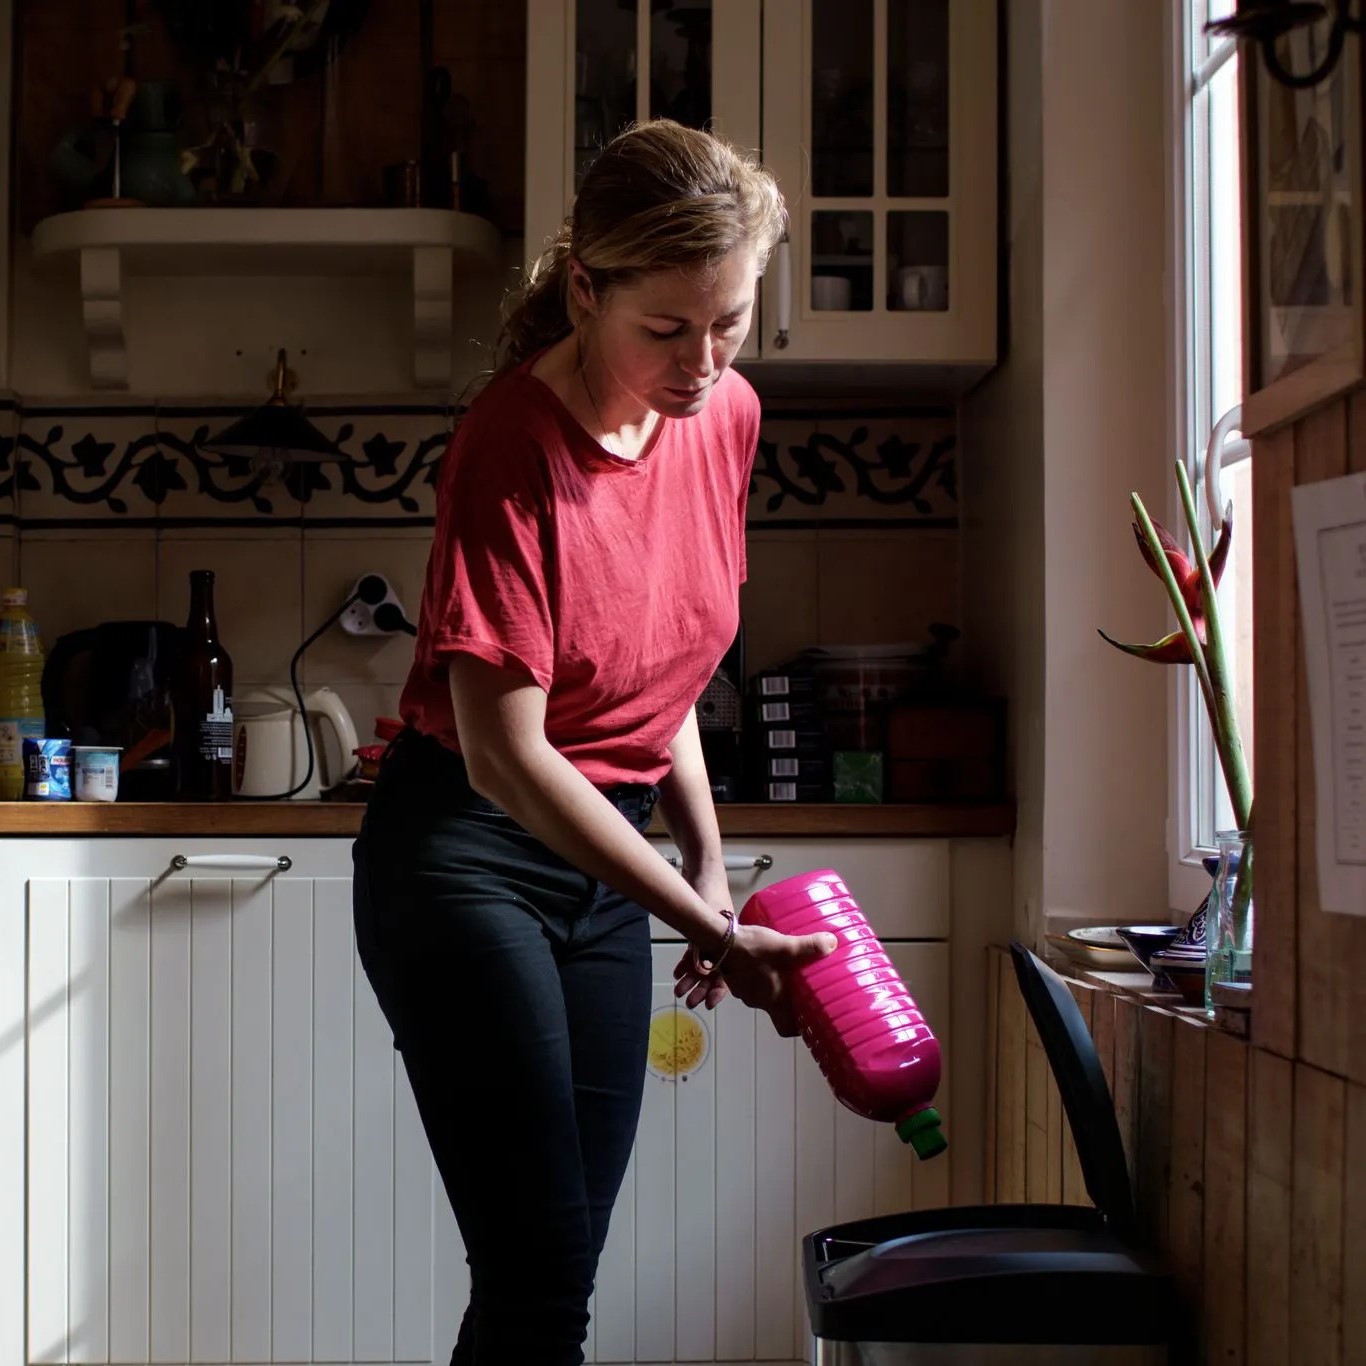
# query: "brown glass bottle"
203,702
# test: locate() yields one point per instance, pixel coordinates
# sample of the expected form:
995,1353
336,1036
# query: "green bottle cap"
921,1130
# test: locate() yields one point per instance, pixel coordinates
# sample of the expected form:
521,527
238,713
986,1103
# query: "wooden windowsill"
1138,986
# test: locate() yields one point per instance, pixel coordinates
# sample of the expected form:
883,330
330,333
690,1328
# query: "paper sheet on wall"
1330,549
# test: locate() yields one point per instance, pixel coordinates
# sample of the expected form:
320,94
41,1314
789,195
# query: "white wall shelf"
428,246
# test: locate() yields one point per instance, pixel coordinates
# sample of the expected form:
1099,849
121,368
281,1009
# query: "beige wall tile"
79,581
881,588
257,595
778,601
333,561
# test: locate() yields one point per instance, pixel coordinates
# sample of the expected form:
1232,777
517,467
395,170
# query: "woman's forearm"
685,802
551,799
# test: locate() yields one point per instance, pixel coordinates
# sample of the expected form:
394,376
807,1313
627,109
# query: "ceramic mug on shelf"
831,293
923,289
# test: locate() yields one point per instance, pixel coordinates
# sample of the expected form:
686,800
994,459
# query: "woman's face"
665,339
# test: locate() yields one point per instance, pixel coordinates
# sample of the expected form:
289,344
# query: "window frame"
1192,807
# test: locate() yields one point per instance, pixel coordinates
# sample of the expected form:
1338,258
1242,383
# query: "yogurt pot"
95,772
47,769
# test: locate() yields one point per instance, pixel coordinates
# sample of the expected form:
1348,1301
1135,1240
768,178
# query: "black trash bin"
994,1284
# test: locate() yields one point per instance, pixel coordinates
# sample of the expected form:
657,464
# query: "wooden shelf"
427,246
343,819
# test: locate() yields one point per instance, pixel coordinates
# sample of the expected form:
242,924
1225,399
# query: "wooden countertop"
962,821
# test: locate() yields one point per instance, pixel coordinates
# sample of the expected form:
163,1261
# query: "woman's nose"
695,357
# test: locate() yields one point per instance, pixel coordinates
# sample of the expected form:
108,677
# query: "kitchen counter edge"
298,819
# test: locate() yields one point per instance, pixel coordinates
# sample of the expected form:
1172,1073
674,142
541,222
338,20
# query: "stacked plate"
1095,946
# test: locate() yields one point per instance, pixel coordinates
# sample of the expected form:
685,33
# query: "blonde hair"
658,197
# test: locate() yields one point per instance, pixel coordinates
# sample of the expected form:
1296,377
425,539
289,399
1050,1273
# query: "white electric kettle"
269,752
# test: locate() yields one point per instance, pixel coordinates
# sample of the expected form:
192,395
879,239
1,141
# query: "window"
1210,373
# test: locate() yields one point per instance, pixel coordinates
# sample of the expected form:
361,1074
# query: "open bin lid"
1081,1083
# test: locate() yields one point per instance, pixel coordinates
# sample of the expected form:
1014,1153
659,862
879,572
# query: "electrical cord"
370,590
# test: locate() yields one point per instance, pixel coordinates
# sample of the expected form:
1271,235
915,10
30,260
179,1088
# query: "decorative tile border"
126,466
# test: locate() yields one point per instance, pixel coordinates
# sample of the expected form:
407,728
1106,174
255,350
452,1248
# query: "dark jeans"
518,990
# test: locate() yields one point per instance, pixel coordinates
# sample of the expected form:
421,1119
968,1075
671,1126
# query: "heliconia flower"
1188,574
1171,649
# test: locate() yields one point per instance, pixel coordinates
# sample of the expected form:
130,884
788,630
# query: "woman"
581,590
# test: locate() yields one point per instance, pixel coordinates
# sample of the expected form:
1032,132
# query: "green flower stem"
1183,616
1222,713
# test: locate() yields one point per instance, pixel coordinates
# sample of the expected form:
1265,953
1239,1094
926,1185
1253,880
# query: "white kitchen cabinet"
878,118
222,1161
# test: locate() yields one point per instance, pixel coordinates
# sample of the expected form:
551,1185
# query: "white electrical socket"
359,617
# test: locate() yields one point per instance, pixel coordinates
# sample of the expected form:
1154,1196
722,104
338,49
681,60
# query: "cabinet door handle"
782,267
280,863
734,863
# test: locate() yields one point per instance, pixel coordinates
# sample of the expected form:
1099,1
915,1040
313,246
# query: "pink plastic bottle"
859,1021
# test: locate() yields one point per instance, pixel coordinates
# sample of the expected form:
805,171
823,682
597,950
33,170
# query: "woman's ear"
581,291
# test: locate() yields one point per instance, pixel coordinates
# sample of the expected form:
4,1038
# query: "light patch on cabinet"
679,1043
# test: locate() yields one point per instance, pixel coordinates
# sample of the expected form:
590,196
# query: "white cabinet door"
902,886
879,120
225,1163
742,1149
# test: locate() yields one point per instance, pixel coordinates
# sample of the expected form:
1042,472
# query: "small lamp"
277,434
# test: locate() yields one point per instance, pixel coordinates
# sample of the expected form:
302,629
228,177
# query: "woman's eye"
665,336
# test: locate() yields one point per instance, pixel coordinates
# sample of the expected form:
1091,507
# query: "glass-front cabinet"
880,120
594,66
878,117
1302,160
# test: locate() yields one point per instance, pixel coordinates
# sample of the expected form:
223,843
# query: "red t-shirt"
613,583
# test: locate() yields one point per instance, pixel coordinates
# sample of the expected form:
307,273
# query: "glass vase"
1229,928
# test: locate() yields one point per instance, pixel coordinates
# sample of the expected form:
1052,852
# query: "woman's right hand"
758,970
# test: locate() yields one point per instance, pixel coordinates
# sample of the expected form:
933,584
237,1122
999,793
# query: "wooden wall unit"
1310,966
1248,1169
64,47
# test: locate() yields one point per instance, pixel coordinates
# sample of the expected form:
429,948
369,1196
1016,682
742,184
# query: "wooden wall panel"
1275,645
1152,1153
992,1107
1324,988
1354,1228
1186,1195
1269,1176
67,46
1011,1091
1124,1086
1225,1194
1316,1264
1250,1181
1073,1182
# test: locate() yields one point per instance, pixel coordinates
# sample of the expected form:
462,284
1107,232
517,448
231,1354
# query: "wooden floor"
1249,1170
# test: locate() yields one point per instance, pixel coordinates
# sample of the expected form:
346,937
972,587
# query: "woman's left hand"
714,889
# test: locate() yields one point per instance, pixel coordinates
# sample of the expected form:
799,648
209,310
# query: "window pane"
841,261
680,64
918,98
604,77
842,98
918,261
1225,245
1235,615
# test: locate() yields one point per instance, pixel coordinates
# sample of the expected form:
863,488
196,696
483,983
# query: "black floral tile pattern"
139,465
